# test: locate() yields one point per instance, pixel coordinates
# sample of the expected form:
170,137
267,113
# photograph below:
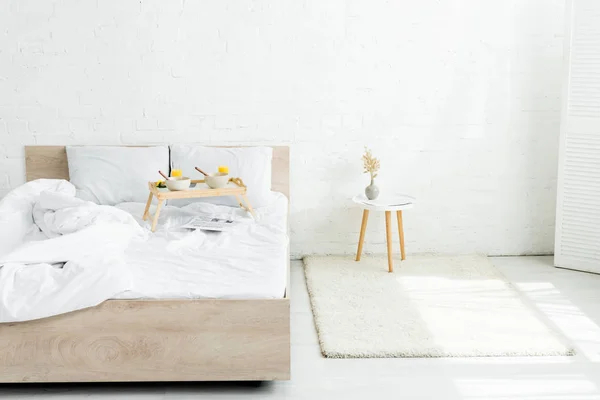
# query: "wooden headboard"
50,162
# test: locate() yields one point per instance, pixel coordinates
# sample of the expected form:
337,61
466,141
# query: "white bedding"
59,253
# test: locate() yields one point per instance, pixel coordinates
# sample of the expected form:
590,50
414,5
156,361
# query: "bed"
151,340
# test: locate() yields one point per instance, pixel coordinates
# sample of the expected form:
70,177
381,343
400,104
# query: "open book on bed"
207,223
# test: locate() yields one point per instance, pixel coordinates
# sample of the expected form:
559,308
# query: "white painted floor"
568,300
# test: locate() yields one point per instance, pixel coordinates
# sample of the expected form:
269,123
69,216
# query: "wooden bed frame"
150,340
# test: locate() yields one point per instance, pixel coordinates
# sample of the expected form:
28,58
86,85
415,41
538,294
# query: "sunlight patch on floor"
573,323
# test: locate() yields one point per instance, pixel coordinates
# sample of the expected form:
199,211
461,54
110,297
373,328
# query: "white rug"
429,307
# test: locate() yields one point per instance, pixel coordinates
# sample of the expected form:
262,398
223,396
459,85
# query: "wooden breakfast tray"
235,188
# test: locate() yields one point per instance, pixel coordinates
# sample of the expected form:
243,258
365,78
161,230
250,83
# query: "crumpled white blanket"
59,253
76,260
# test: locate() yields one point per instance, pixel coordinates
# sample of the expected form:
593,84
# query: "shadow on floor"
125,388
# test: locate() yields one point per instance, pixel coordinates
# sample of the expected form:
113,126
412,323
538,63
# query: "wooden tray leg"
241,199
248,206
148,204
156,214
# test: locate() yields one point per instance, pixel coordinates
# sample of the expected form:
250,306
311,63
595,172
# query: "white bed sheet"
59,253
249,262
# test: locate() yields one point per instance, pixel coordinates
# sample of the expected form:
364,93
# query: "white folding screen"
578,202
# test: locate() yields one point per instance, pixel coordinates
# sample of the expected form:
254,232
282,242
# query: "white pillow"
252,164
110,175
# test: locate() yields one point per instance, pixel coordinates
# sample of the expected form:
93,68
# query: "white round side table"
387,204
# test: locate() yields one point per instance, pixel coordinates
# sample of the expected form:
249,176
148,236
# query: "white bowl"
178,183
217,180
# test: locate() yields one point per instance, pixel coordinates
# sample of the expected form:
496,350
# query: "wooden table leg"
401,233
388,236
361,239
156,214
148,204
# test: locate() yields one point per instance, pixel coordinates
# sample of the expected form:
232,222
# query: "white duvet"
59,253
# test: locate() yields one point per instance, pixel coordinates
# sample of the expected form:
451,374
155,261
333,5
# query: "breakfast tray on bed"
235,188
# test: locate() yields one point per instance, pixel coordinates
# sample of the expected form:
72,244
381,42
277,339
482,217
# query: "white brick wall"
459,99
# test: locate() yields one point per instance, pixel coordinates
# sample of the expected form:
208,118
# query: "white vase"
372,191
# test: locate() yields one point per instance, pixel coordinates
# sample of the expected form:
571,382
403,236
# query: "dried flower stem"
371,164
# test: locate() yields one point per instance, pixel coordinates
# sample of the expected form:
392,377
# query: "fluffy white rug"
429,307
